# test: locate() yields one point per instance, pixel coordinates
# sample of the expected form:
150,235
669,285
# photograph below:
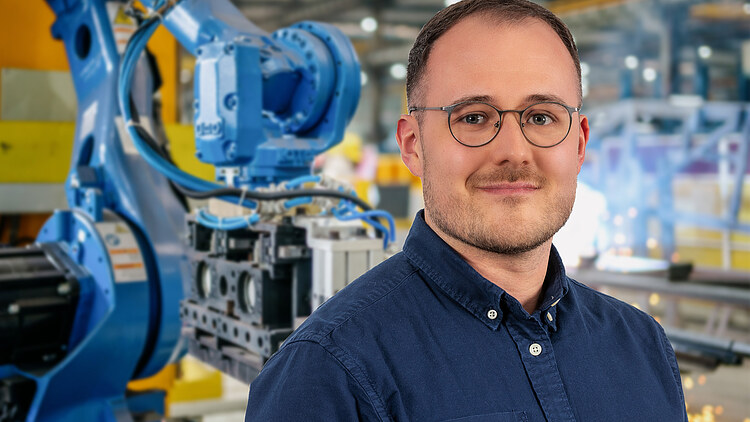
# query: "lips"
507,180
509,188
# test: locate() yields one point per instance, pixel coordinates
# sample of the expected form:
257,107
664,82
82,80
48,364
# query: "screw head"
63,288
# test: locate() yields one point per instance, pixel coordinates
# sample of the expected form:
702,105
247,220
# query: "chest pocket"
494,417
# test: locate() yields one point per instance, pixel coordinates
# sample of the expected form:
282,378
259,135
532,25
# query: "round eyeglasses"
474,123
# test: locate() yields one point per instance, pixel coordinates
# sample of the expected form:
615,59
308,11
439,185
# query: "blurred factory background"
663,207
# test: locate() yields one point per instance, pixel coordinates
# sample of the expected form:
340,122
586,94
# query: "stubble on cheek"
468,221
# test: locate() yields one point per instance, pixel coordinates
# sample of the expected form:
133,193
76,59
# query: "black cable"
2,230
23,241
143,26
159,150
249,194
15,227
271,196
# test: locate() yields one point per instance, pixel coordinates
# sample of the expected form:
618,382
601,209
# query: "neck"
520,275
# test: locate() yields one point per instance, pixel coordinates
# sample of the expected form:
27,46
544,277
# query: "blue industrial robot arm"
265,104
117,268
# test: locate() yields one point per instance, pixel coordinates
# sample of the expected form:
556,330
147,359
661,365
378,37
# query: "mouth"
509,188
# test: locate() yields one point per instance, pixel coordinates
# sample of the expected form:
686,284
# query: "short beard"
460,220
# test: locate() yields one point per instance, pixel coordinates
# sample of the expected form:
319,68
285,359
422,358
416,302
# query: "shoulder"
597,306
621,323
633,330
356,299
310,383
313,374
323,356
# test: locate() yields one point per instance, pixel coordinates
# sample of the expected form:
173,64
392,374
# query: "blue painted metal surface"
106,174
88,384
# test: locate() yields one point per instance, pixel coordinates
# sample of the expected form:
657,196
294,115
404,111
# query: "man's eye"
540,119
473,119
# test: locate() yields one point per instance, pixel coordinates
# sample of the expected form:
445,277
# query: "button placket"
538,358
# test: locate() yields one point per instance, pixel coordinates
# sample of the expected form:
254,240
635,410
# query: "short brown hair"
506,10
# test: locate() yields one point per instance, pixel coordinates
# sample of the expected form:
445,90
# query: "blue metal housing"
88,384
265,105
107,174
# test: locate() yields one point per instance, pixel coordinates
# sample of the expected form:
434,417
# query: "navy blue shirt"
424,337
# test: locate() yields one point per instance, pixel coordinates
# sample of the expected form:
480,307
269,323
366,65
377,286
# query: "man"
475,320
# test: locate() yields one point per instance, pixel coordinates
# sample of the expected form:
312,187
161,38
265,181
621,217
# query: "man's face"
507,196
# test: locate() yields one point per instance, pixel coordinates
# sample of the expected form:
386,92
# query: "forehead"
506,61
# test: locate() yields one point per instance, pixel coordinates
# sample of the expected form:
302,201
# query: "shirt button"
535,349
492,314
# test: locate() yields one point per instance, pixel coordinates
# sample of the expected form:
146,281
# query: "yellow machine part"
26,43
187,380
391,170
712,256
195,381
35,152
39,152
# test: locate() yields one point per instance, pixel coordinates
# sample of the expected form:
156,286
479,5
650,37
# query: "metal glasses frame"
450,108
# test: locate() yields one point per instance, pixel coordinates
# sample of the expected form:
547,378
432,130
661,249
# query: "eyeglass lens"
475,124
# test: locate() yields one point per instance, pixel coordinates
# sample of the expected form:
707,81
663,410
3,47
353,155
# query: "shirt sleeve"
669,351
303,381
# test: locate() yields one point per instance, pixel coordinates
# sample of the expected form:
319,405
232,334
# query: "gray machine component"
341,253
251,288
247,289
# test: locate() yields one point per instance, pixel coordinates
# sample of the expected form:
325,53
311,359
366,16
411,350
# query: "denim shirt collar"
479,296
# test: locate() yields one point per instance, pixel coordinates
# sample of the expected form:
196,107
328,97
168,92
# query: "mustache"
508,175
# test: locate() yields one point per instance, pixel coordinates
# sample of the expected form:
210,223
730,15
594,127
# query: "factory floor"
720,395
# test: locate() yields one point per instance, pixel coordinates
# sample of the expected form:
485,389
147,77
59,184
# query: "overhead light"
704,51
584,87
362,77
398,71
649,74
450,2
620,239
631,62
585,69
369,24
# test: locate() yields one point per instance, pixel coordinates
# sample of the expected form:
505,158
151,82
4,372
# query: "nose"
509,144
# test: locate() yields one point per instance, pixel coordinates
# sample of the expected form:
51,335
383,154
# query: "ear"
583,139
408,138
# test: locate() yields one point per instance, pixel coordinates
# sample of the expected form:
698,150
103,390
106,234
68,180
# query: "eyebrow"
530,99
480,98
540,98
